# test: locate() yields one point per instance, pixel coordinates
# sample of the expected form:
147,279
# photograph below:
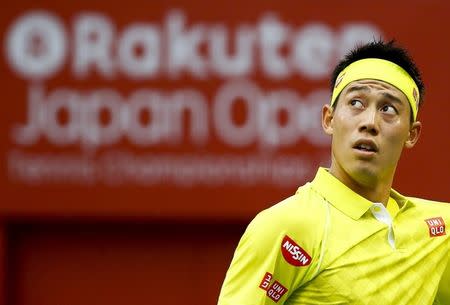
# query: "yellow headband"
379,69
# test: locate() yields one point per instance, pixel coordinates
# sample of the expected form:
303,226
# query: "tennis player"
347,237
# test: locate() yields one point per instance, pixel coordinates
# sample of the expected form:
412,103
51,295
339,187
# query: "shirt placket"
380,212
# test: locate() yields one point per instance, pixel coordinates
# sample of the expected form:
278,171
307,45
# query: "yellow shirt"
328,245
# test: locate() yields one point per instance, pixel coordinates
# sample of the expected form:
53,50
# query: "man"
347,237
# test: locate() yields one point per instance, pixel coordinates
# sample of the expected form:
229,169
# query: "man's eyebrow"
393,98
387,95
358,88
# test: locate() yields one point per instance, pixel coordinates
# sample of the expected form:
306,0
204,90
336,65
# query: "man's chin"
365,175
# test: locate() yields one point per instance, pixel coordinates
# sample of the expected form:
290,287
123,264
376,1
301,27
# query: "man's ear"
327,119
414,134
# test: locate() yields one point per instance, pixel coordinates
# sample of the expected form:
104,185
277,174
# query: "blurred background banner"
186,108
190,111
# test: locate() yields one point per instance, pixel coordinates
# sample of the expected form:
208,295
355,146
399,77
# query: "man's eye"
356,103
389,109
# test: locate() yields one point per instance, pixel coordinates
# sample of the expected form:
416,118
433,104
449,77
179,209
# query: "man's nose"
369,121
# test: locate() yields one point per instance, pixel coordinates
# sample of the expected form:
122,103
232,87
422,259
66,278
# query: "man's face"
370,126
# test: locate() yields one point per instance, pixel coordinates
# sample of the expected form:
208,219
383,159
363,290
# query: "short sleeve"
443,294
273,259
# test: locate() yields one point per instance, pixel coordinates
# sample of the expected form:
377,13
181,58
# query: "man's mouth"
366,146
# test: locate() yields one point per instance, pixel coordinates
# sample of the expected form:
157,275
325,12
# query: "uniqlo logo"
274,291
265,283
436,226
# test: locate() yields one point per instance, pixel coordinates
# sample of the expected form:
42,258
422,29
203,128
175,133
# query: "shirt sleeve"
443,294
269,264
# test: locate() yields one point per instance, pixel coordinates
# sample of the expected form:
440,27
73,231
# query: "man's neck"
375,190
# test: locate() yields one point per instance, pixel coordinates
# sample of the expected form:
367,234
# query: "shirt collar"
343,198
401,200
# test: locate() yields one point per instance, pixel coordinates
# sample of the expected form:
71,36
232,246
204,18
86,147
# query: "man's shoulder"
428,202
304,198
302,211
431,206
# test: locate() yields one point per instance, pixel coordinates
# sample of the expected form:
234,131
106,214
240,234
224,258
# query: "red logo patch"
436,226
274,291
293,253
266,281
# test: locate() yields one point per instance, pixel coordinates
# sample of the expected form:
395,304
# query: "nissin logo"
293,253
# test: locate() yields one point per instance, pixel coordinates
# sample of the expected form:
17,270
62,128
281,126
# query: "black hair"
384,50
